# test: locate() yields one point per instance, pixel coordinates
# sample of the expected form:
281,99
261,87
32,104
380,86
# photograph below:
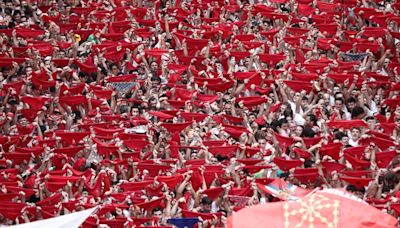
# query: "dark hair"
339,99
156,209
369,118
352,188
389,181
302,127
206,201
155,79
288,112
308,164
313,118
20,117
308,132
356,112
282,121
339,135
350,100
259,135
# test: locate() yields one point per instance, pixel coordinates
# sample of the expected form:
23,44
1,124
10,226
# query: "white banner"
73,220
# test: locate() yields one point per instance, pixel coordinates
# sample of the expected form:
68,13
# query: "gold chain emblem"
310,211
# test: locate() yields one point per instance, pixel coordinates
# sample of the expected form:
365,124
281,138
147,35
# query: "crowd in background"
154,110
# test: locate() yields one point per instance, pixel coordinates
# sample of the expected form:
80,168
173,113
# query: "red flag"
331,207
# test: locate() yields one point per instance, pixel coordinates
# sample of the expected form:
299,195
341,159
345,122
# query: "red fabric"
35,102
220,87
73,100
306,178
358,182
332,150
213,193
382,143
271,59
207,98
30,114
286,165
175,127
349,211
204,216
283,141
302,153
170,181
357,163
95,189
153,169
383,159
161,115
251,101
223,150
151,204
255,168
249,161
233,119
235,131
71,137
69,151
329,167
346,124
356,173
134,186
136,144
298,86
198,117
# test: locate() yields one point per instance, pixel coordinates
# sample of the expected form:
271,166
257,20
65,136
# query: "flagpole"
312,192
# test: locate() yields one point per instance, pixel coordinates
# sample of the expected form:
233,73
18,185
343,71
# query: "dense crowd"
163,109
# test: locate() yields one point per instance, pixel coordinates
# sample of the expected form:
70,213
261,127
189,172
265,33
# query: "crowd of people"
153,110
